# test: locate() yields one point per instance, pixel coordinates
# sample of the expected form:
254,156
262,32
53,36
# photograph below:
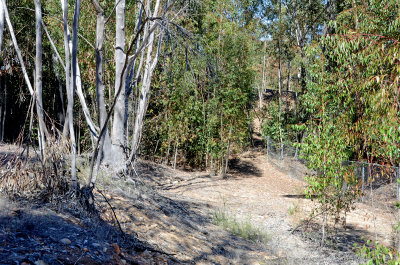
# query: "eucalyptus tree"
36,95
1,26
204,91
119,126
352,100
38,75
290,25
143,39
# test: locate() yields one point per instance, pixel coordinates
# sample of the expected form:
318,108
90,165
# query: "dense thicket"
204,89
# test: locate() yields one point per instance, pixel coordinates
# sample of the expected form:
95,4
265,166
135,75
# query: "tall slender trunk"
60,91
1,27
2,83
176,152
261,92
133,74
101,107
17,50
280,74
21,61
92,127
118,127
4,107
300,42
74,59
280,85
288,84
228,151
288,75
146,83
38,77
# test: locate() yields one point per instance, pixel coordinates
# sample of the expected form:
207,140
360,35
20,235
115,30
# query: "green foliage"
351,99
377,254
204,93
272,124
279,125
353,82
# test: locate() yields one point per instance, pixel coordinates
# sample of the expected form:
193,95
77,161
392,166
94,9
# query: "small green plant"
293,209
378,254
242,228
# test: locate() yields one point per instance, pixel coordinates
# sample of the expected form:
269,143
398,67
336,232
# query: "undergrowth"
243,228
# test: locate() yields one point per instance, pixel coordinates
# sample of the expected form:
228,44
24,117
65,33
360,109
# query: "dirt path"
258,191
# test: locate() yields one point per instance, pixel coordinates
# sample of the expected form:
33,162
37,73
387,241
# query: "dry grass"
30,177
241,227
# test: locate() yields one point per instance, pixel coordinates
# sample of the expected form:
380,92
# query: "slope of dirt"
36,234
167,218
275,202
178,225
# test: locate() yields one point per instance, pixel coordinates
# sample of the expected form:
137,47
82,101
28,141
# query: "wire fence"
377,213
287,158
377,181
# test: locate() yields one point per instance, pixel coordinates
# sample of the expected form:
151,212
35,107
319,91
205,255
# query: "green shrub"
378,254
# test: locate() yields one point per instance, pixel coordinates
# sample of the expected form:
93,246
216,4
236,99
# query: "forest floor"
168,217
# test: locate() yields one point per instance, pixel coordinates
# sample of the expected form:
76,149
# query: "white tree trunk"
1,26
21,61
100,28
38,76
118,127
70,87
17,50
146,83
92,127
261,93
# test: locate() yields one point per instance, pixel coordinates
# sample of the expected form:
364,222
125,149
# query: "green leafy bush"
377,254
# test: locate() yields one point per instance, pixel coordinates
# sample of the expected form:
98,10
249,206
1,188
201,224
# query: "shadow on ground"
31,235
180,226
243,168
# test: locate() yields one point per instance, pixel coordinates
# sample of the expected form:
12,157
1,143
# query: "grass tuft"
243,228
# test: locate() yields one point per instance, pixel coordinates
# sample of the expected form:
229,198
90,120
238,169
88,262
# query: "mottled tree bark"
118,134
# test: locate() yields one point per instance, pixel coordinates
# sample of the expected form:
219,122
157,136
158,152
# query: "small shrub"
293,210
378,254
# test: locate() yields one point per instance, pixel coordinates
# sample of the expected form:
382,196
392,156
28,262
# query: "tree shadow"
341,239
184,228
239,167
299,196
34,232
